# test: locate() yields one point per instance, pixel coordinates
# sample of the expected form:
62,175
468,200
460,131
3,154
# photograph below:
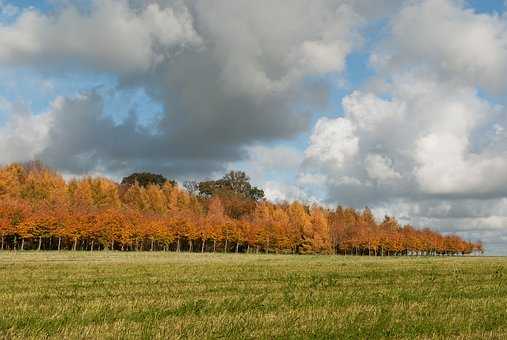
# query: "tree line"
40,210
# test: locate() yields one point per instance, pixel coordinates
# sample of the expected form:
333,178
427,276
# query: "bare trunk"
191,249
248,248
75,244
22,244
59,243
91,248
112,244
214,245
202,246
40,243
151,249
3,242
225,248
237,247
178,245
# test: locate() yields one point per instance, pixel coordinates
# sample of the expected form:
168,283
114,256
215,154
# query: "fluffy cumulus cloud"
429,147
380,168
430,142
22,135
114,38
455,41
333,143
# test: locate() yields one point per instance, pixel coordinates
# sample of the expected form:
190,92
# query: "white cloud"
380,168
23,135
112,38
427,129
333,143
453,40
447,167
369,112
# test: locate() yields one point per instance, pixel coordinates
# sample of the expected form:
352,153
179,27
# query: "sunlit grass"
170,295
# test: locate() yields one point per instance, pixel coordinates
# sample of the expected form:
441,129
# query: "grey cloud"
228,74
80,138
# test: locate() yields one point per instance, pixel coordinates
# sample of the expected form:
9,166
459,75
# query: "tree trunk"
257,251
225,248
59,242
75,244
3,242
237,247
151,249
202,246
40,243
22,244
91,248
248,248
112,244
178,246
214,245
191,249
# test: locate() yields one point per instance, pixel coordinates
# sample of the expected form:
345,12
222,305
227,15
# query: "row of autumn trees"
40,210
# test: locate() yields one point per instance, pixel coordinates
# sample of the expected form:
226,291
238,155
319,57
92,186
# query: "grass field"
170,295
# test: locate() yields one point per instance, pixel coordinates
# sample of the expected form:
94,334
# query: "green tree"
146,178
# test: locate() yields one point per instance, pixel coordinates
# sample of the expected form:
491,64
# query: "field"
171,295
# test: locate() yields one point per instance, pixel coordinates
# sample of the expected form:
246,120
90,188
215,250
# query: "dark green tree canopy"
145,178
234,182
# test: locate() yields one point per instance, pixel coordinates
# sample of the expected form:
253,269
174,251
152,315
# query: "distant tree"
146,178
235,182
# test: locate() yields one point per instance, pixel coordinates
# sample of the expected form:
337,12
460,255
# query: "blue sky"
394,105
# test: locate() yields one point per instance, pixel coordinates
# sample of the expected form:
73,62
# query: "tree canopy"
234,182
146,178
40,210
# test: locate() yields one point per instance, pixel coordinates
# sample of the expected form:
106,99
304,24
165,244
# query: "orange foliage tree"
40,210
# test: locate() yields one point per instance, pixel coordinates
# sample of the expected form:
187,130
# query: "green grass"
169,295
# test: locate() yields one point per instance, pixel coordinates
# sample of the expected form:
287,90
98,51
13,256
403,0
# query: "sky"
395,105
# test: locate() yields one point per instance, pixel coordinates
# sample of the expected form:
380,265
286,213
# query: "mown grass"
170,295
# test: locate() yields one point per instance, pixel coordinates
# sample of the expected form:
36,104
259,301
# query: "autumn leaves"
39,210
